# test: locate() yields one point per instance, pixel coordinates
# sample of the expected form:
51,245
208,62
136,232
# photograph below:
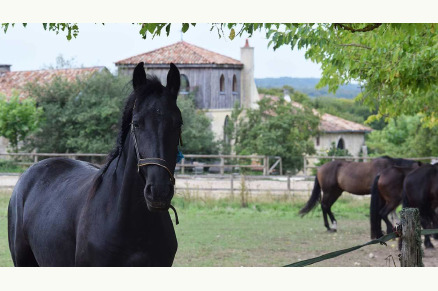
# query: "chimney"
5,68
249,91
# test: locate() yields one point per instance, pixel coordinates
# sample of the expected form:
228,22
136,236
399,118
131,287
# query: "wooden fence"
285,184
227,163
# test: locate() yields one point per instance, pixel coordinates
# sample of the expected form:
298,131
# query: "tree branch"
356,45
353,30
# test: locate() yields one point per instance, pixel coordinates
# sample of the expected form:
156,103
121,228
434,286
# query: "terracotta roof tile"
17,80
330,123
180,53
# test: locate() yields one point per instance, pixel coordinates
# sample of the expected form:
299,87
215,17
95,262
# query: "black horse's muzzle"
158,197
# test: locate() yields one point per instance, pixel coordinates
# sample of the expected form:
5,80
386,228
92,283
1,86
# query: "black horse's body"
420,190
386,195
70,213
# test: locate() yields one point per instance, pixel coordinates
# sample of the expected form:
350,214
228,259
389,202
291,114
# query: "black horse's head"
155,130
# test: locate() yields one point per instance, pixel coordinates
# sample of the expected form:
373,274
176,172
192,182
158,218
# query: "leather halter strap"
150,161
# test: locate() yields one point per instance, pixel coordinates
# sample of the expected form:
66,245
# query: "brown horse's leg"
324,215
327,201
385,211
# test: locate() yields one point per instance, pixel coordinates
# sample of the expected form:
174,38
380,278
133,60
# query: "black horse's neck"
130,183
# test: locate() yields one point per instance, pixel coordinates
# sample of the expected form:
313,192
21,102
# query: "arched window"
234,83
341,144
185,85
222,84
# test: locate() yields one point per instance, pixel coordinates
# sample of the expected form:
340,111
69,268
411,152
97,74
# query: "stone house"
216,81
345,134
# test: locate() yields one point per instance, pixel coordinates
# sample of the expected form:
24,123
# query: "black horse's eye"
136,125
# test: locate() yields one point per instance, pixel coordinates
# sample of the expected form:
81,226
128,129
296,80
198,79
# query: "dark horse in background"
338,176
69,213
386,195
420,190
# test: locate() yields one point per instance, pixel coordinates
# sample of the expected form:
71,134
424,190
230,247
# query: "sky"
33,48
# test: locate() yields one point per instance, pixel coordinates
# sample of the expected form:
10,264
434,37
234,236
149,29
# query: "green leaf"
232,34
185,27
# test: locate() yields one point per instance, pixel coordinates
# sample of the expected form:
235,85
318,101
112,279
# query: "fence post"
222,165
35,158
232,186
305,166
182,166
288,184
364,152
281,166
411,252
265,166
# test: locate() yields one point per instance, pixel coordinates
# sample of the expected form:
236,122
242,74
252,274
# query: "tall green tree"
231,130
278,128
404,136
197,135
18,119
54,98
80,116
95,111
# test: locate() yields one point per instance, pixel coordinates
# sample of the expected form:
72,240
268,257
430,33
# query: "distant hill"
307,86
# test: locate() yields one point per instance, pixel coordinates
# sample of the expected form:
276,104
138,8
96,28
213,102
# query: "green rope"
332,255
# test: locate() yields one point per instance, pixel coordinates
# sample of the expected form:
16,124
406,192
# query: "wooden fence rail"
289,187
227,162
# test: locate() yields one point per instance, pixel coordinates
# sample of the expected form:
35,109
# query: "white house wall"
217,117
353,142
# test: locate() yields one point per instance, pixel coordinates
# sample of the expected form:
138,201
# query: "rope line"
335,254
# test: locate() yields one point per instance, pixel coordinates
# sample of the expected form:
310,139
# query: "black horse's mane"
153,84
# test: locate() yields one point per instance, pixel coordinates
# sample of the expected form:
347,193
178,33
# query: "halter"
150,161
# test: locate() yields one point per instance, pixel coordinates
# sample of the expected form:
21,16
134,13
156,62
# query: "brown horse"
338,176
386,195
420,190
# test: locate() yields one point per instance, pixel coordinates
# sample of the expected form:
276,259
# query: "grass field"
268,232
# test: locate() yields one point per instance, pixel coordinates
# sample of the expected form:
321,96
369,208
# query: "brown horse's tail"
376,228
314,198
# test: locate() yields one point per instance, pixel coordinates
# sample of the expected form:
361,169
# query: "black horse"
69,213
386,195
420,190
338,176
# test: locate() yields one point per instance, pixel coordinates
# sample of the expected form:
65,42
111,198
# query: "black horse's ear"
139,77
173,80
